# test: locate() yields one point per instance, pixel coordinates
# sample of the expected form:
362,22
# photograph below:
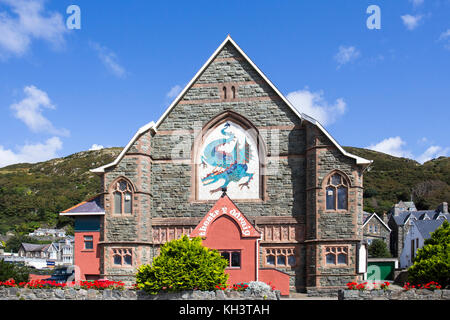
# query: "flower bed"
365,286
45,284
112,290
432,285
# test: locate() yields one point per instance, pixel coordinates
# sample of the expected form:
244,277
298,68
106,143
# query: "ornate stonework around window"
122,197
336,256
279,257
122,257
336,192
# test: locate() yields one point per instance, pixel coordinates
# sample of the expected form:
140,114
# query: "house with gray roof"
399,222
31,250
419,231
375,228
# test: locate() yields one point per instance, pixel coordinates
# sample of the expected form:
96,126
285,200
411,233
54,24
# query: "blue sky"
63,91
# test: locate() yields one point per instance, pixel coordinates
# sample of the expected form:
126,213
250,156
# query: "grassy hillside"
32,195
390,179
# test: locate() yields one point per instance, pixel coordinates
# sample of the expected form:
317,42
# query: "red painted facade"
88,260
226,229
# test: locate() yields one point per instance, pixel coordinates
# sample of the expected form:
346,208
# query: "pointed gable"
225,207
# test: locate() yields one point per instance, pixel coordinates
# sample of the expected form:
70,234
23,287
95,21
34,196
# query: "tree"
183,264
378,249
432,262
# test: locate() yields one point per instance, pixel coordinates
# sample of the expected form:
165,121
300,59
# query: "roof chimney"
442,207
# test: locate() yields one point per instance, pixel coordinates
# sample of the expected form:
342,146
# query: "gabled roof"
368,216
228,40
92,206
403,217
31,247
426,227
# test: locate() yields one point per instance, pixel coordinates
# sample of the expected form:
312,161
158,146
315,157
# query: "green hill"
32,195
390,179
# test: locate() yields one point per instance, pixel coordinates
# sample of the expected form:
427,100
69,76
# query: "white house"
419,231
56,233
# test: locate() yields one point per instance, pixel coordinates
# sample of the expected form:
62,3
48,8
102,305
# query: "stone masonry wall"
412,294
91,294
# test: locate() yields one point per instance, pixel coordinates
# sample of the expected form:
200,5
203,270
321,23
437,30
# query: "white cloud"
393,146
432,153
29,21
346,55
174,91
445,37
109,60
314,104
411,22
31,153
30,110
417,3
96,147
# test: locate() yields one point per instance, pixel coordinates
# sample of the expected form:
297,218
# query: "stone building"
375,228
230,131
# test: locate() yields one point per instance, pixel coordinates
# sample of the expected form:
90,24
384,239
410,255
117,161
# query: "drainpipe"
257,257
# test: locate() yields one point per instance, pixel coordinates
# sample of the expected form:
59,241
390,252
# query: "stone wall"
413,294
91,294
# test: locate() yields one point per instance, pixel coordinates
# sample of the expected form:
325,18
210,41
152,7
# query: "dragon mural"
228,166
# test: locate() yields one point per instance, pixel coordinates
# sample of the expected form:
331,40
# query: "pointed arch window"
123,197
336,193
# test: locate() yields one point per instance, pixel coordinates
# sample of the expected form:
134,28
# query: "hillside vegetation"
390,179
32,195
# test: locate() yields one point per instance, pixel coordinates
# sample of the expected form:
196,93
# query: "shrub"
432,262
258,287
183,264
13,271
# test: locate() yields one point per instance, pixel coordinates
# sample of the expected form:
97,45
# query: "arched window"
224,92
233,91
228,146
123,194
336,192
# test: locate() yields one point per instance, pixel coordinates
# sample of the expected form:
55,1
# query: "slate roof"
425,227
402,217
90,206
31,247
